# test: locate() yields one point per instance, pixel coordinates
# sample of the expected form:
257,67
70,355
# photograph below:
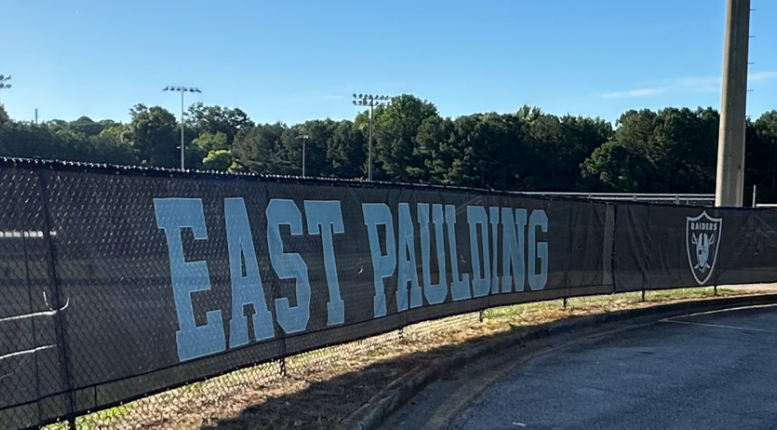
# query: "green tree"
118,132
396,148
672,150
29,141
761,156
4,118
260,149
488,151
217,119
345,151
155,136
211,141
438,148
219,159
87,127
558,146
108,148
314,145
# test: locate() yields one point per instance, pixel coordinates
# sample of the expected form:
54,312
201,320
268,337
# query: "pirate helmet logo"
702,234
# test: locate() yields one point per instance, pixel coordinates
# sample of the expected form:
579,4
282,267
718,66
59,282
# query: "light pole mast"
304,138
730,178
182,90
372,101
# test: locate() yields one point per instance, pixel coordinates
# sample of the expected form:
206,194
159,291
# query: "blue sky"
295,60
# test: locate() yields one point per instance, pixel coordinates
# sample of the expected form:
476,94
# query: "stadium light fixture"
304,138
183,91
371,101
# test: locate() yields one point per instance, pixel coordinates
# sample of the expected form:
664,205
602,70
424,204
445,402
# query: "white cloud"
697,84
642,92
761,76
714,83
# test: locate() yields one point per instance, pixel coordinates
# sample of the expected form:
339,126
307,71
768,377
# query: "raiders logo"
702,241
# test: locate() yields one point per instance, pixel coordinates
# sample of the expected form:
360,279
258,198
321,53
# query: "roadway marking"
730,327
719,311
452,406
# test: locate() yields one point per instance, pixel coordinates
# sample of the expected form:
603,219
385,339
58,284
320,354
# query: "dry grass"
323,387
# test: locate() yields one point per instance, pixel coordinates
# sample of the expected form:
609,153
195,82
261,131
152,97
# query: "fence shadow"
323,403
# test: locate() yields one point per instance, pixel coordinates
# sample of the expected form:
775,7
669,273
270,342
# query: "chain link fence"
145,298
204,404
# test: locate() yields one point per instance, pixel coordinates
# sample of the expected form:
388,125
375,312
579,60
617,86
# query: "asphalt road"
709,371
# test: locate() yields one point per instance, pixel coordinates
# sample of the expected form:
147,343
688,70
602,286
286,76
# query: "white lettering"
246,290
493,218
537,281
325,218
292,319
434,293
407,271
189,277
383,266
481,273
460,283
513,249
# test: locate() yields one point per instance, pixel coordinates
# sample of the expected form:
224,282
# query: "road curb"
401,390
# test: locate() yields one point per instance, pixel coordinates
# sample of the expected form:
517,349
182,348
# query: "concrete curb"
401,390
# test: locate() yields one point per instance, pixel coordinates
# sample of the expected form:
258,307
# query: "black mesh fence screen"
120,283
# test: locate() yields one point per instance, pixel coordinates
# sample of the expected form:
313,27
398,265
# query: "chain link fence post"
59,325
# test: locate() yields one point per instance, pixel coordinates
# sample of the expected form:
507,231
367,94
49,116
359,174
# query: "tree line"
672,150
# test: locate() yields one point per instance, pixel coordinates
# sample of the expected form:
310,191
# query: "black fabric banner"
117,283
657,247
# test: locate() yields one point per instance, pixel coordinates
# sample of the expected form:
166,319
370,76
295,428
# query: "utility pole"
304,138
372,101
730,179
183,90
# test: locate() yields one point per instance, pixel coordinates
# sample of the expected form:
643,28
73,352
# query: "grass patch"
325,386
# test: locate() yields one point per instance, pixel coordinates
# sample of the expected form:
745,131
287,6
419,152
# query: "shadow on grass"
324,403
324,397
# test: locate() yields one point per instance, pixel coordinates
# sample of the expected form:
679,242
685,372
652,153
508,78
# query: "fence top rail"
623,195
163,172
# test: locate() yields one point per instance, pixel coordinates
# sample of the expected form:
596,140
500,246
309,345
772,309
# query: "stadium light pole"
4,85
371,101
183,91
304,138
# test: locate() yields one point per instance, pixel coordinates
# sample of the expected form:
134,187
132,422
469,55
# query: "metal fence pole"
59,324
282,367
